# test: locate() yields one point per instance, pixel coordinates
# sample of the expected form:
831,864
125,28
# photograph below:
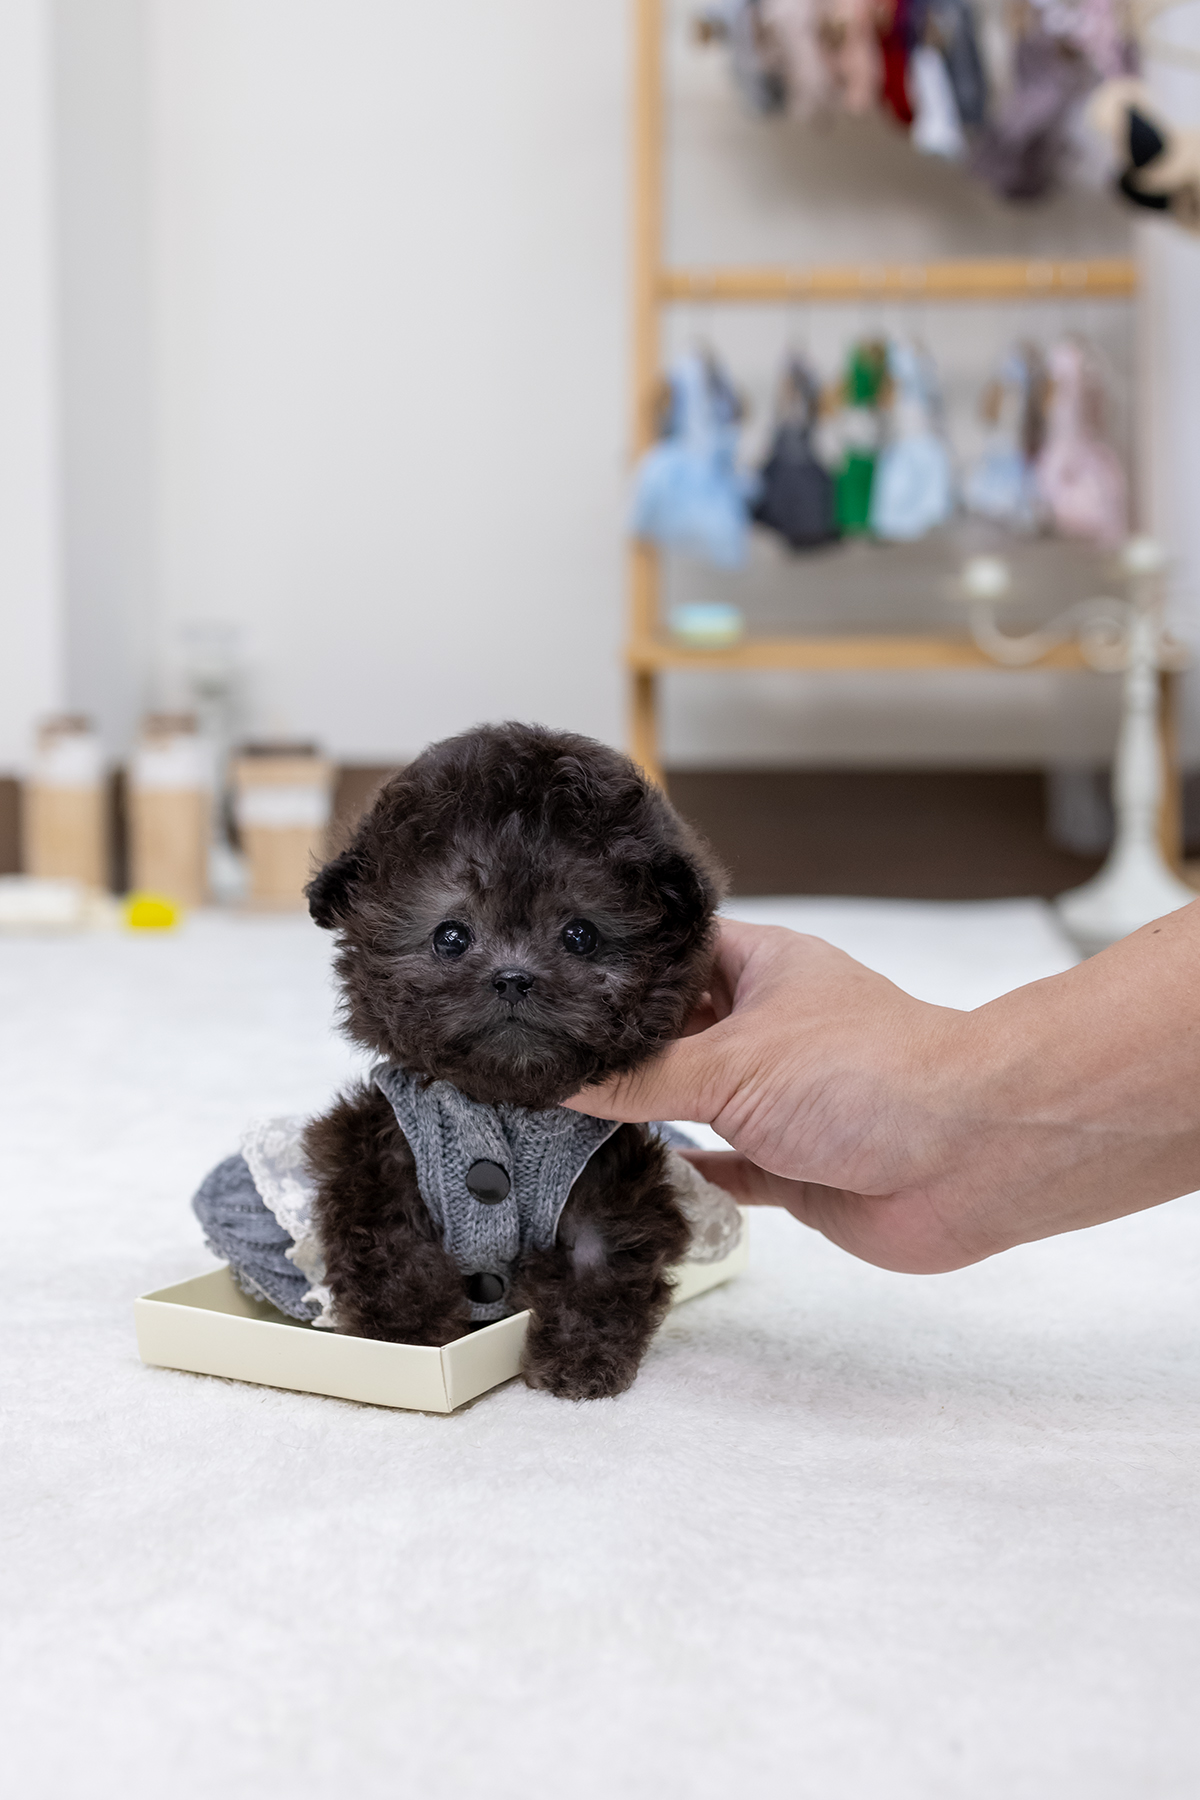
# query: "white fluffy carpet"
852,1536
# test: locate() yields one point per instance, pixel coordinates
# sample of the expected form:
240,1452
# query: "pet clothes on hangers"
796,496
808,56
931,45
1094,29
689,494
922,61
1021,148
895,43
914,486
756,55
850,40
1001,484
936,127
795,26
950,26
1078,474
855,432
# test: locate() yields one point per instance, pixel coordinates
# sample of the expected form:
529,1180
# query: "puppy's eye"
580,938
451,938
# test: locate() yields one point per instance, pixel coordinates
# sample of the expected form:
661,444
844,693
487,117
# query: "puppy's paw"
432,1333
580,1376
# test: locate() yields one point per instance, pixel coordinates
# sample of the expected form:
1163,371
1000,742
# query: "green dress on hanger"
866,372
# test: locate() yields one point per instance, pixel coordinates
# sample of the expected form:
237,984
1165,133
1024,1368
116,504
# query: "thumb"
683,1081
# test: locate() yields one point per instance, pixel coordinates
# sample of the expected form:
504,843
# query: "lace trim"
712,1213
274,1153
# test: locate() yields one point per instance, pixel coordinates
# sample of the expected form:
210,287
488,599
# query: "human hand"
823,1075
921,1138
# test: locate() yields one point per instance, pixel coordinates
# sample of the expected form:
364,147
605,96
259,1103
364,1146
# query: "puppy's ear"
685,889
330,893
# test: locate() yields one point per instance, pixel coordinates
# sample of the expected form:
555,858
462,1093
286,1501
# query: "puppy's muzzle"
512,984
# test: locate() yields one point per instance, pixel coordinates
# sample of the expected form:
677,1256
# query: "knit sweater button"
488,1182
485,1289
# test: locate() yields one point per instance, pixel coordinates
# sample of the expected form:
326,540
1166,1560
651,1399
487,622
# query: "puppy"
519,914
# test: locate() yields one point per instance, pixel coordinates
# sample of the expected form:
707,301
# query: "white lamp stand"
1136,884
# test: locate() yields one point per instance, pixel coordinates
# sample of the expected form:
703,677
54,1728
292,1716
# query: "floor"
852,1536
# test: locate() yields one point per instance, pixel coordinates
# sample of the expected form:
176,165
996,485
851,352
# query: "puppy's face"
520,913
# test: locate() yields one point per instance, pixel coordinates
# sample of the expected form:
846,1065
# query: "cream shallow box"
209,1327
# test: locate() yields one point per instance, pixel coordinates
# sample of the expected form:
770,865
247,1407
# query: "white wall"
344,327
391,403
106,359
31,641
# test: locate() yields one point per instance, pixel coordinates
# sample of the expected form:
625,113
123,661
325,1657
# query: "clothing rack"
650,651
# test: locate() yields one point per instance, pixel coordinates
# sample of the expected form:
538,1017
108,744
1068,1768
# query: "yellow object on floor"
151,912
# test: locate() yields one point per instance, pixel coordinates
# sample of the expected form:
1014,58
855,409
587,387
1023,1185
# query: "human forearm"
1082,1100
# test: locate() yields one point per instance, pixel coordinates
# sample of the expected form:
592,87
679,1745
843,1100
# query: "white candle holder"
1136,884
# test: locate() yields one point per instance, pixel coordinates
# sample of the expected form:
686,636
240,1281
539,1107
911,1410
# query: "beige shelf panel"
989,279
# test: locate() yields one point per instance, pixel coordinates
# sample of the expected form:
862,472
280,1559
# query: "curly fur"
383,1259
514,832
599,1295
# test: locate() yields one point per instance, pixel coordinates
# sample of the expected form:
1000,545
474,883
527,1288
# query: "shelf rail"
990,279
837,653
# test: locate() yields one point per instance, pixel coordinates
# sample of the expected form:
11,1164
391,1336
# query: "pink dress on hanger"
1078,474
795,27
851,44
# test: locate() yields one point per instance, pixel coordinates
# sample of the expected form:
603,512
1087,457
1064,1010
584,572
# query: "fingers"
900,1232
684,1081
694,1077
729,1169
703,1015
752,1186
736,943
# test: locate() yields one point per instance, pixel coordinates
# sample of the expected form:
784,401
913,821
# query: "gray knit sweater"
495,1178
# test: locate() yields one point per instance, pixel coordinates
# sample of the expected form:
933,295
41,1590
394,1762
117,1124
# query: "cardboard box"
170,806
282,804
208,1326
64,813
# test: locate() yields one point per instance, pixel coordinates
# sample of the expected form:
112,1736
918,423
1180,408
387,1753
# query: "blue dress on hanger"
914,483
1001,484
689,494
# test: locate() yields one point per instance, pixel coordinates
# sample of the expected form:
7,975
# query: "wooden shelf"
992,279
829,654
650,652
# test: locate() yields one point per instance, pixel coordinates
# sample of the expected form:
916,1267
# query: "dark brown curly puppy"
520,913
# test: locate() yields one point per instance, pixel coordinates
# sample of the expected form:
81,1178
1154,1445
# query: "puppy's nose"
512,984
